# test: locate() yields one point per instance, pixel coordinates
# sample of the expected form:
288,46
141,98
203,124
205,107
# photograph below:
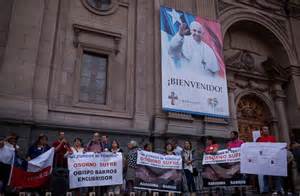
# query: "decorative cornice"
278,95
223,6
180,116
81,28
293,70
250,84
231,85
209,119
270,6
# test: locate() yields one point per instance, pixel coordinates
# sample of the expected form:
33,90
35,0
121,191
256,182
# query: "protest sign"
95,169
223,169
158,172
264,158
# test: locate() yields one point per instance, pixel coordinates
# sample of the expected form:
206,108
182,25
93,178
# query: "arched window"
99,4
101,7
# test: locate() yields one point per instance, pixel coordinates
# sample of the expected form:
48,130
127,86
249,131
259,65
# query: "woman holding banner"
115,148
76,148
188,159
131,165
169,149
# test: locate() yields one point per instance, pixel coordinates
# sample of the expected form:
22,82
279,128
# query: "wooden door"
252,114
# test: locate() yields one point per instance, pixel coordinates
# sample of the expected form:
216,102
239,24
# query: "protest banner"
158,172
223,169
95,169
264,158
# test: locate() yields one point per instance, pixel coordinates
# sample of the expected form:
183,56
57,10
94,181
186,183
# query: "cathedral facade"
95,65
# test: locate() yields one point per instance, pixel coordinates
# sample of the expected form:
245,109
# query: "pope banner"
193,70
223,169
95,169
158,172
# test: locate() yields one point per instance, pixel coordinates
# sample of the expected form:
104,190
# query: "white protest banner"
95,169
222,156
158,172
158,160
264,158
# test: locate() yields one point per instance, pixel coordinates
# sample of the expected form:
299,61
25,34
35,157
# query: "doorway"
252,114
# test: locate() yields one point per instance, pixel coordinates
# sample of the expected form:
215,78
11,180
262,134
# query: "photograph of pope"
193,69
188,48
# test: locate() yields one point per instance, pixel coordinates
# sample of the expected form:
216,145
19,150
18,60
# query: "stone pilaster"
232,105
206,9
279,98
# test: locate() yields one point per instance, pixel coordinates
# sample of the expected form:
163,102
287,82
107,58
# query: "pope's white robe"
194,56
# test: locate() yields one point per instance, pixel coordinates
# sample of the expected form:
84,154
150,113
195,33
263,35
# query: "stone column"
274,126
232,105
279,98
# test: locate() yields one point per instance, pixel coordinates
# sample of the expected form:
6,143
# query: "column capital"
277,92
293,70
231,85
278,95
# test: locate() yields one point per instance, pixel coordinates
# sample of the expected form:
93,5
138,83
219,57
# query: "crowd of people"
98,143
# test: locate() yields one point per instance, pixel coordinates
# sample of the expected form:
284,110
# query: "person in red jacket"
211,145
234,142
266,137
61,146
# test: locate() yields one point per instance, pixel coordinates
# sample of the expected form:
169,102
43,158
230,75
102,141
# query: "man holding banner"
267,138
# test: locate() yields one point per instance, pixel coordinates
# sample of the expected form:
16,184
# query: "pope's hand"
183,29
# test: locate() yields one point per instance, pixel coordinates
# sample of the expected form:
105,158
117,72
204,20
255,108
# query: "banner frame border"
195,113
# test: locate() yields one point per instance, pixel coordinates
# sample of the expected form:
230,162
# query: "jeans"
276,180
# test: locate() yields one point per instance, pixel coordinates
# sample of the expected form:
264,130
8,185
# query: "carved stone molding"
293,71
273,6
277,93
116,37
222,5
244,60
273,70
180,116
251,84
231,86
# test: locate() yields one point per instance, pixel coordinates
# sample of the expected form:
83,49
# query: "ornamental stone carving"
243,60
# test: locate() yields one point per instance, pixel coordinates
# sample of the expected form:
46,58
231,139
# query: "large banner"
158,172
95,169
264,158
193,70
223,169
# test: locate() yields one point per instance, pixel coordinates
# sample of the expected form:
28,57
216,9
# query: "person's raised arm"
177,40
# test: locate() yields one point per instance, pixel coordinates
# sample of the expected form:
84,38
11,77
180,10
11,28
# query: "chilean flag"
34,173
